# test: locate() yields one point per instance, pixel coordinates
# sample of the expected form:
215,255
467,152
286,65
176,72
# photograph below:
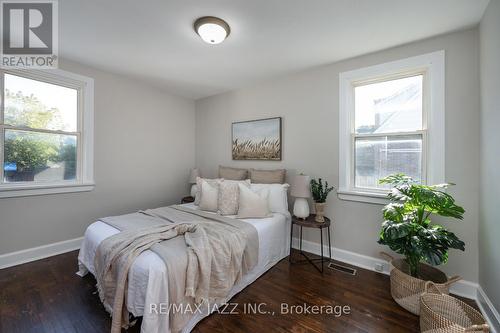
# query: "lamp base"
301,208
194,190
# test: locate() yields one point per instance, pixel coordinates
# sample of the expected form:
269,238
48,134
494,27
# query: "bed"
148,283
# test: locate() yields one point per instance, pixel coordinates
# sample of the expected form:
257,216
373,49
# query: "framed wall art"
257,139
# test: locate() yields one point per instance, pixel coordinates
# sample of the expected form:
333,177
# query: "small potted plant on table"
319,193
408,230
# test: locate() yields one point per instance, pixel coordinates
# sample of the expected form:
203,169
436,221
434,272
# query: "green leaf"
408,229
319,191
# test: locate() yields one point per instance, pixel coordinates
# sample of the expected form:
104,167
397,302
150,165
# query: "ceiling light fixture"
212,30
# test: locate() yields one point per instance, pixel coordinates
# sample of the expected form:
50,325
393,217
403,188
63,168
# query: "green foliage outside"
68,154
28,111
31,151
320,191
407,228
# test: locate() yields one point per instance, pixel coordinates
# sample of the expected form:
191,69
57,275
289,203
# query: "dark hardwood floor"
47,296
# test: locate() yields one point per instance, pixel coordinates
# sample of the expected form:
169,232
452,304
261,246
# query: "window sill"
24,190
360,196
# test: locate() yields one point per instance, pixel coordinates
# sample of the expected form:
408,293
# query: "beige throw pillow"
253,204
267,176
232,173
197,197
209,196
229,195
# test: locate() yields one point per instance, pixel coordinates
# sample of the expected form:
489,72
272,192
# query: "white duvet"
148,275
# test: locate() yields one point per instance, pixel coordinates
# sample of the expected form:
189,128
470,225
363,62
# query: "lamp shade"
301,186
192,176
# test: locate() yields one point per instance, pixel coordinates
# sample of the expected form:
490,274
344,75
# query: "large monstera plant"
407,228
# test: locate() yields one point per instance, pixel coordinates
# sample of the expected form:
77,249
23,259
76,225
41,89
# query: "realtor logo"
29,34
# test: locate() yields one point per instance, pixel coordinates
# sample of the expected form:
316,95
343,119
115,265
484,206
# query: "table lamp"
195,173
301,190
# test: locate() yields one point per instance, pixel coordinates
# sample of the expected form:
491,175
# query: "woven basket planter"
406,289
440,313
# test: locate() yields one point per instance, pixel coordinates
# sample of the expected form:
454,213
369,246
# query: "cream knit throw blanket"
205,255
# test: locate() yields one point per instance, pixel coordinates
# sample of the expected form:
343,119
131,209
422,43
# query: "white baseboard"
348,257
488,309
461,288
40,252
465,288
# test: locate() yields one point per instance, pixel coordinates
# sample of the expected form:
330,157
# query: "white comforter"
148,275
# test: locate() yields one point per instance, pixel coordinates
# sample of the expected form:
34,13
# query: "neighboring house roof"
399,111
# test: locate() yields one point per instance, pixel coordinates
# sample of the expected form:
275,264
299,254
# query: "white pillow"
253,204
197,197
209,196
278,198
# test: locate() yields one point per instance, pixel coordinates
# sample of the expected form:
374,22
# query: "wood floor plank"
47,296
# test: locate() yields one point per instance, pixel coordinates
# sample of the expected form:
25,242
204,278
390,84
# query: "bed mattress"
148,283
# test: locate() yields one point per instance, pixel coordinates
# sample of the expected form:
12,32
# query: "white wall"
144,148
308,103
489,225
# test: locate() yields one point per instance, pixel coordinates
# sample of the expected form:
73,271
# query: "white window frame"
85,128
432,66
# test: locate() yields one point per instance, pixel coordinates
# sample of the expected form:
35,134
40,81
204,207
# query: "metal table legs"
308,259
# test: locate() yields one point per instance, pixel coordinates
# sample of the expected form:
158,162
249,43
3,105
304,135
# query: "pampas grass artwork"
257,139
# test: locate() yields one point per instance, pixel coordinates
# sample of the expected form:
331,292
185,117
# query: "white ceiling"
154,40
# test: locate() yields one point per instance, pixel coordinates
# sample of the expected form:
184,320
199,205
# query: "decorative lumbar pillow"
229,196
253,204
209,196
267,176
197,197
278,198
232,173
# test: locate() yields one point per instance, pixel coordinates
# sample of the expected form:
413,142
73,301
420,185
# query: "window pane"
39,157
36,104
390,106
378,157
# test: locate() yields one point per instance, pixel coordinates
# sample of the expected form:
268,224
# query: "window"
46,129
391,121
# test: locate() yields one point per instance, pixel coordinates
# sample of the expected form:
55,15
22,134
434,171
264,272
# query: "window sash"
40,76
78,176
423,163
354,135
391,77
433,65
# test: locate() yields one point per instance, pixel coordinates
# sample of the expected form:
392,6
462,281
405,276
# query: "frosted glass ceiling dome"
212,30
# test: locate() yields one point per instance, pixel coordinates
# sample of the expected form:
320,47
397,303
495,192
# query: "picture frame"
259,139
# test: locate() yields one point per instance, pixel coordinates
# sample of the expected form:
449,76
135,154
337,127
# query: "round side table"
187,199
311,223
